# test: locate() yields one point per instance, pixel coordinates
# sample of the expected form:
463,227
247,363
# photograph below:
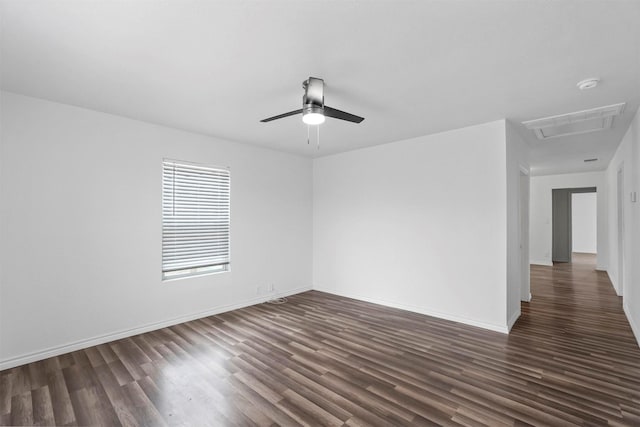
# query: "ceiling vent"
575,123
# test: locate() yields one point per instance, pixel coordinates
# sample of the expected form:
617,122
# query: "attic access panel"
593,120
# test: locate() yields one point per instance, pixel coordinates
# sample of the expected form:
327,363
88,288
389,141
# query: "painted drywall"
627,157
418,224
584,222
540,231
623,159
80,226
517,154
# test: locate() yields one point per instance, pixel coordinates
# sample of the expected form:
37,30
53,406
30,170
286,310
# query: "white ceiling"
409,67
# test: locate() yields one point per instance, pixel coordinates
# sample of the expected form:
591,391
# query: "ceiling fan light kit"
313,115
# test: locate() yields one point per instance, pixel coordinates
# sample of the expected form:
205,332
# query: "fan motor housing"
313,92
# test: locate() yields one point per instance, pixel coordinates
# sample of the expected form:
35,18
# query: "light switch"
634,197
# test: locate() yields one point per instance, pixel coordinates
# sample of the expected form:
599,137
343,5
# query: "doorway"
562,222
584,223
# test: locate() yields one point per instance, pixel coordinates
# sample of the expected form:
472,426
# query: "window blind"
195,219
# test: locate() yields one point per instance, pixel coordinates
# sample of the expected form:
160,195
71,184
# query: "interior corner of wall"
514,317
632,322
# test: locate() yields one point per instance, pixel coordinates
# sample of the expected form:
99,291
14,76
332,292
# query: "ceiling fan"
313,109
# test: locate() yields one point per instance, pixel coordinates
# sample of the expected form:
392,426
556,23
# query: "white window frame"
210,248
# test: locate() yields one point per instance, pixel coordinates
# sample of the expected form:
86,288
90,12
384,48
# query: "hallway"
576,333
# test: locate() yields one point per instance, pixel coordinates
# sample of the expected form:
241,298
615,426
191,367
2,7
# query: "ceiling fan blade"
280,116
342,115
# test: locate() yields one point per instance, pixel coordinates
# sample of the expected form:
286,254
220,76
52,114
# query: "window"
195,219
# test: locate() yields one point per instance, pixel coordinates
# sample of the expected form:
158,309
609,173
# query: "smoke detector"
585,121
588,83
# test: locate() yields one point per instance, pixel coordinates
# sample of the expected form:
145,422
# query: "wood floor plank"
120,403
22,409
263,405
21,382
313,414
94,356
6,385
92,408
144,412
42,407
60,399
321,359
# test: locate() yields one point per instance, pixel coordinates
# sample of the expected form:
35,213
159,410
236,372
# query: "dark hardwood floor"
326,360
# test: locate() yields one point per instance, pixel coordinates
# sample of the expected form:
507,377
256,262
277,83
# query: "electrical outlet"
270,287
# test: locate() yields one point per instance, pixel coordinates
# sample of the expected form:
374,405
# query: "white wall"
628,157
622,159
517,153
80,227
418,224
584,222
540,230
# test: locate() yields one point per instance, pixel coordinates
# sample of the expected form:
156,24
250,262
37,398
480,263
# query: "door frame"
620,217
523,234
561,222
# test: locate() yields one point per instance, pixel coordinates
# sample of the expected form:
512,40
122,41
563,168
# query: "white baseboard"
90,342
634,327
527,299
515,317
540,262
497,328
